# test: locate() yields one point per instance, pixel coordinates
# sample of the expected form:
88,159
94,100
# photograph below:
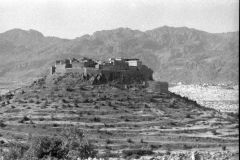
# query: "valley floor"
217,97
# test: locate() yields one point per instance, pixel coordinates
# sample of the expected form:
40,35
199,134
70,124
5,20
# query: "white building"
133,62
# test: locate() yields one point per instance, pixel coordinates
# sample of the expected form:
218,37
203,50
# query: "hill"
118,122
175,54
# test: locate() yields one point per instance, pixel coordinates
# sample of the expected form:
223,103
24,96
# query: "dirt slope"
115,119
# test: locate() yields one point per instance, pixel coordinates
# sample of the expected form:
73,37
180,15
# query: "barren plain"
222,98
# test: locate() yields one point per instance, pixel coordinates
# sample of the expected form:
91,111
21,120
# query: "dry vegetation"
127,123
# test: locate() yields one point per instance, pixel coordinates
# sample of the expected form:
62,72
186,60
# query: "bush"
16,151
77,145
31,101
188,116
65,101
69,89
224,148
96,119
70,144
109,154
108,141
41,119
46,146
129,140
2,124
214,132
25,118
138,152
55,125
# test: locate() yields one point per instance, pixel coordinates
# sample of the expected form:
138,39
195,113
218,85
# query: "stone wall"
60,68
77,65
74,70
91,71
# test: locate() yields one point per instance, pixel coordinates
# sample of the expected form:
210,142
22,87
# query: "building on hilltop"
119,69
133,62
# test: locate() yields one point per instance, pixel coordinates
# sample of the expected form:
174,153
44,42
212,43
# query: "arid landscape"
119,80
222,98
127,123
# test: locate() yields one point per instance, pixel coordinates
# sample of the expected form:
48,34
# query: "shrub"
96,119
77,144
31,101
168,152
109,154
41,119
108,141
25,118
188,116
186,146
138,152
55,125
2,124
37,102
46,146
65,101
70,144
214,132
16,151
129,140
152,146
224,148
69,89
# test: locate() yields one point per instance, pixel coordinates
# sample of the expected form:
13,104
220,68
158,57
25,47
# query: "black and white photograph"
119,79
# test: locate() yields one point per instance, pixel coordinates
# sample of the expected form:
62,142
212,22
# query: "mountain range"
176,54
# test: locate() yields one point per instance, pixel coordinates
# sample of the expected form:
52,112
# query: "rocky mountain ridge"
174,53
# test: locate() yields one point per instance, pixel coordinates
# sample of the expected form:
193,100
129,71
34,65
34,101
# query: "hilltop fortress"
124,71
119,69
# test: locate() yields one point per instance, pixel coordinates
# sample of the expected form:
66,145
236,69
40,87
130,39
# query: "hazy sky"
73,18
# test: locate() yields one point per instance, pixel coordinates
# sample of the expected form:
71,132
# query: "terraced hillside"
115,119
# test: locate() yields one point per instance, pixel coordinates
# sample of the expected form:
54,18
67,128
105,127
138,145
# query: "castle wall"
60,68
125,76
115,67
146,72
91,71
52,69
111,75
74,70
77,65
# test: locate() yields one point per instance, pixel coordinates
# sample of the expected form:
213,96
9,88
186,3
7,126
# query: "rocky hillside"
127,123
175,54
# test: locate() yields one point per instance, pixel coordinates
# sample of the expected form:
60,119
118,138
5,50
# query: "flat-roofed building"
133,62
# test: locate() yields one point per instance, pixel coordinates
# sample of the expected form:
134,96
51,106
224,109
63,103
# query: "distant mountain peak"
17,31
35,32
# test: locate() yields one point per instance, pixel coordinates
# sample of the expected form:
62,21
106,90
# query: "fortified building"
115,69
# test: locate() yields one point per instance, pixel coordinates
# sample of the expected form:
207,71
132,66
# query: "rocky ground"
224,99
120,122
